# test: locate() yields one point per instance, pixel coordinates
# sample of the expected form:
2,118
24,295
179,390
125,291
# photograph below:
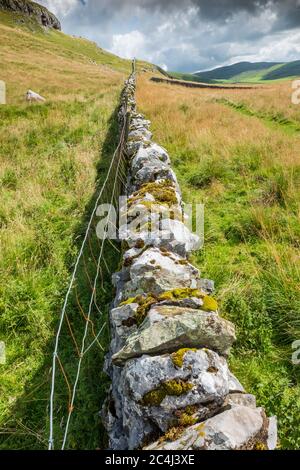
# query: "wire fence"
83,319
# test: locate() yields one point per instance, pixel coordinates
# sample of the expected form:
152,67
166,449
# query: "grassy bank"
248,176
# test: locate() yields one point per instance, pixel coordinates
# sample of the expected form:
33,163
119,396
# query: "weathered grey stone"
168,328
156,273
205,371
122,325
234,384
179,232
238,428
243,399
152,172
152,153
189,302
171,235
140,133
207,285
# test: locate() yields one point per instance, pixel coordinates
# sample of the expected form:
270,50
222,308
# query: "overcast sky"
187,35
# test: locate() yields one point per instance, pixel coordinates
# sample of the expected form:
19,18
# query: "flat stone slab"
168,328
238,428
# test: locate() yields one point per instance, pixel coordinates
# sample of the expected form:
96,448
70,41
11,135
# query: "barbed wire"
117,160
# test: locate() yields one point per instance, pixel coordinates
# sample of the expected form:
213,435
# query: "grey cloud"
215,10
189,35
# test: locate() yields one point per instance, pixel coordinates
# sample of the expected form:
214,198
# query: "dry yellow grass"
45,67
192,116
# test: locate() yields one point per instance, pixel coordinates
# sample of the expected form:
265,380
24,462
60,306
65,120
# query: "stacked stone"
171,385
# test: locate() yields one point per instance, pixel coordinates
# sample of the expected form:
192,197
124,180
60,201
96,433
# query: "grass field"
53,159
246,170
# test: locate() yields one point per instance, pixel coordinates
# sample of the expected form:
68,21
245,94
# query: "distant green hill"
230,72
245,72
291,69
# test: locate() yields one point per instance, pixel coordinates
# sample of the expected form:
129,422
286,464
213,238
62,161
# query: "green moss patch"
146,302
163,192
177,357
175,387
209,304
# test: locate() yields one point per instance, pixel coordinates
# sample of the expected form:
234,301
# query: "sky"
187,35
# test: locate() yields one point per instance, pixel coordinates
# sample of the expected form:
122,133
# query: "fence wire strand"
115,169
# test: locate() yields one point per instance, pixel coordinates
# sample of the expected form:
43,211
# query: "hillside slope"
25,59
291,69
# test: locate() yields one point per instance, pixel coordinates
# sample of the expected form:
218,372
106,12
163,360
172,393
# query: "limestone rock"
168,328
238,428
32,96
122,325
41,14
151,153
141,133
154,272
205,372
171,235
272,433
242,399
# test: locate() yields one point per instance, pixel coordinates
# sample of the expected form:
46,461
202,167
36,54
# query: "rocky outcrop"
171,384
41,14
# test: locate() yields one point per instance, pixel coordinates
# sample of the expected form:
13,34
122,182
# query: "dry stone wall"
171,385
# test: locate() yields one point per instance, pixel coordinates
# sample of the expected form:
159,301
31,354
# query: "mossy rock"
162,191
175,387
178,356
209,303
146,302
144,305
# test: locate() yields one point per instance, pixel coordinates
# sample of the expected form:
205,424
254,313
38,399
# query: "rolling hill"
245,72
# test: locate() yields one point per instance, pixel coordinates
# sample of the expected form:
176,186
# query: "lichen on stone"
260,446
178,356
144,305
172,434
162,191
146,301
209,303
174,387
186,417
200,429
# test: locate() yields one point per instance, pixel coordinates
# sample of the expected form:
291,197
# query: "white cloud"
281,47
129,45
59,7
